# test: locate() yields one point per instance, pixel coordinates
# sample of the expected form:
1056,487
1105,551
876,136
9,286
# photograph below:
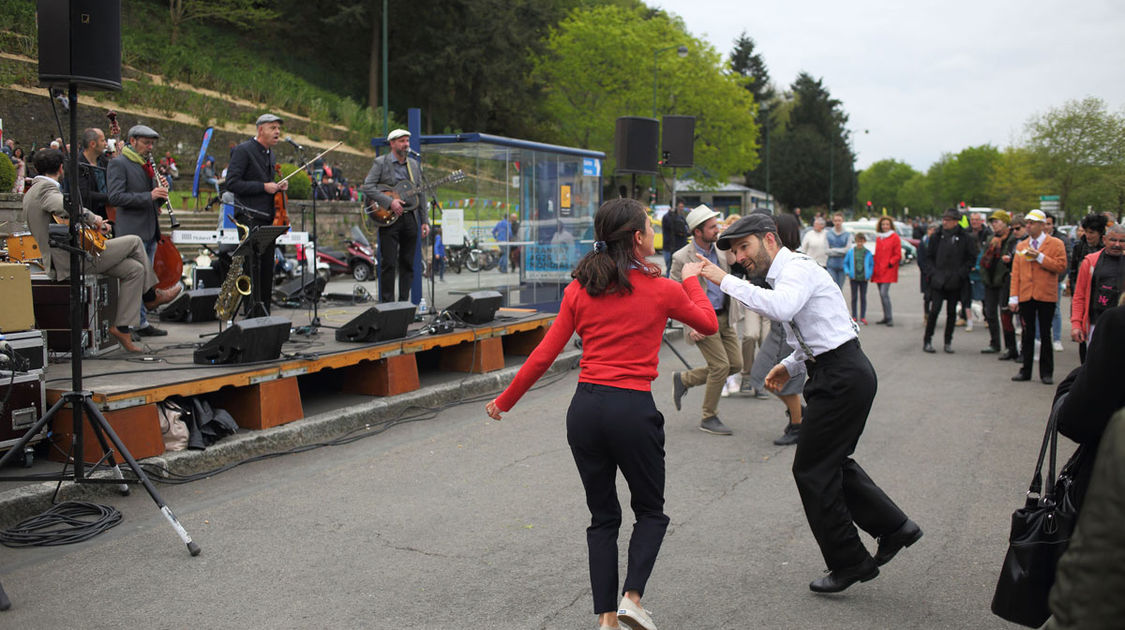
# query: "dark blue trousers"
609,428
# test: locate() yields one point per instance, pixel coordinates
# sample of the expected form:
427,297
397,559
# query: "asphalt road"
462,522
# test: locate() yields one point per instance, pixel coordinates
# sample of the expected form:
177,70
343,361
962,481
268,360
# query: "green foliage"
882,184
810,152
7,174
1013,185
300,185
1080,151
599,66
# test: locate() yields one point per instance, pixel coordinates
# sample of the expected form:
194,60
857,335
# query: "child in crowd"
859,273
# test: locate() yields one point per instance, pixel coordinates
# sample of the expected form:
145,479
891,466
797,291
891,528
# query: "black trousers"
397,244
609,428
836,492
994,298
1044,312
937,296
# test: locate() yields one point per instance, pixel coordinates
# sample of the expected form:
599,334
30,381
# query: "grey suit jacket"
382,173
130,190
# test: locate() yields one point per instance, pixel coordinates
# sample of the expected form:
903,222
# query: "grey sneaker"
678,389
715,426
634,616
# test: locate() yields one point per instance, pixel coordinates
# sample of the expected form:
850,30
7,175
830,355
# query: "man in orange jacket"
1039,260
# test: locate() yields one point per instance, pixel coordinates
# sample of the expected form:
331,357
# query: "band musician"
398,241
124,257
250,177
133,190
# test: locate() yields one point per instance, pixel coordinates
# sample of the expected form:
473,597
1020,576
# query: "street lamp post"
682,51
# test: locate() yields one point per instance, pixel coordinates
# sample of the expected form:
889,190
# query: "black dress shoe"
948,348
990,350
894,542
841,579
151,331
882,321
928,347
1009,356
1021,377
1047,380
889,324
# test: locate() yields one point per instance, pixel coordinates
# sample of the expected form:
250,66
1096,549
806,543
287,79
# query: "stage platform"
127,387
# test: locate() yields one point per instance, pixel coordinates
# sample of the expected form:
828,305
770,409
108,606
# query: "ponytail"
605,268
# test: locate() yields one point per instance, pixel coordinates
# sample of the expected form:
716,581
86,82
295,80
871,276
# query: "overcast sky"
924,77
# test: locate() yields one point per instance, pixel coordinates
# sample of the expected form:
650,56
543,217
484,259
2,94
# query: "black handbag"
1041,530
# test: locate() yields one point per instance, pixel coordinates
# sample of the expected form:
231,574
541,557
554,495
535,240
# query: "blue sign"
199,161
592,167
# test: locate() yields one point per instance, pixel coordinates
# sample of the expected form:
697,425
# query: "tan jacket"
685,255
1032,280
43,199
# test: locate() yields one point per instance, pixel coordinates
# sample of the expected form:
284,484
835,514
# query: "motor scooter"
357,258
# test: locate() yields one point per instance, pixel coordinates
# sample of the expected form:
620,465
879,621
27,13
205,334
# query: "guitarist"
124,257
398,241
137,197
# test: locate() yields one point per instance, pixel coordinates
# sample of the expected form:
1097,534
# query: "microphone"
414,154
289,139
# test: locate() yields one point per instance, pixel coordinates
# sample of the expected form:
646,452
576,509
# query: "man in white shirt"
836,492
815,243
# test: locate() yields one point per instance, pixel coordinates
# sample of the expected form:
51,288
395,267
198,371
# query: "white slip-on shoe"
634,616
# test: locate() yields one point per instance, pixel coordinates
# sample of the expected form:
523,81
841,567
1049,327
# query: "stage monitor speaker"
80,43
635,145
247,341
382,322
677,141
197,305
478,307
292,289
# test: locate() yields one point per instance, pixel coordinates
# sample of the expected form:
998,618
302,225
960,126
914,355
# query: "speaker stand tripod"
80,400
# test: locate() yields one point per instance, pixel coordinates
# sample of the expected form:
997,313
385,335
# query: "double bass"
167,263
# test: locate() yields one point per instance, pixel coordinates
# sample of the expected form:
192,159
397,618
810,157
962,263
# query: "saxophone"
235,285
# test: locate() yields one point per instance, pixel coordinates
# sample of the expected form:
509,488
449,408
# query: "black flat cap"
753,224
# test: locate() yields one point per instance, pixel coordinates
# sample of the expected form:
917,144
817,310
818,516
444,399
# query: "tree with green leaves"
1013,184
241,13
748,64
1076,145
812,154
598,66
882,184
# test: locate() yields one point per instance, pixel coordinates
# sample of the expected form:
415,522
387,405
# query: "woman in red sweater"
888,253
618,303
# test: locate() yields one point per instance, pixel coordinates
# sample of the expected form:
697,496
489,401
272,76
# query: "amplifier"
99,308
27,403
31,347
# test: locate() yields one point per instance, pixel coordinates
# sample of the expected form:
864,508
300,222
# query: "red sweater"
621,333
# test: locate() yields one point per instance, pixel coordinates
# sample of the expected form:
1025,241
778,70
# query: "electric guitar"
409,193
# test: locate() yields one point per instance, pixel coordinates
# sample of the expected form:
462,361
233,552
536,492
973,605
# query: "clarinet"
163,184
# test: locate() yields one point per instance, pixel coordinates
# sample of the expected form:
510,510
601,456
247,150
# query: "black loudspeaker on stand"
677,141
89,31
635,145
300,289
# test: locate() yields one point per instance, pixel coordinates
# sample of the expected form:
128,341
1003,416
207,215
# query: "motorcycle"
471,256
357,259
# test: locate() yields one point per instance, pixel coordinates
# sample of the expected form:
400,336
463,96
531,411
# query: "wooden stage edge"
263,396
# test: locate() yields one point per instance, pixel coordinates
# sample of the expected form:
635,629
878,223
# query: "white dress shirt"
805,294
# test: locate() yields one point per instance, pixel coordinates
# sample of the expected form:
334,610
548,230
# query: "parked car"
909,250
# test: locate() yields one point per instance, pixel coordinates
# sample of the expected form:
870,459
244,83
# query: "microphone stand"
314,321
434,206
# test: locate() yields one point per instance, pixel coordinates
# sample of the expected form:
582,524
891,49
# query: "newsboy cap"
397,133
266,118
142,131
753,224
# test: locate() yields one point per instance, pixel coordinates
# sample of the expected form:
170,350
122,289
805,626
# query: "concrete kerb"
27,501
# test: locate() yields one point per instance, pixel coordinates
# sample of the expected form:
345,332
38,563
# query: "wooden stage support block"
382,377
523,342
138,427
262,405
483,355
